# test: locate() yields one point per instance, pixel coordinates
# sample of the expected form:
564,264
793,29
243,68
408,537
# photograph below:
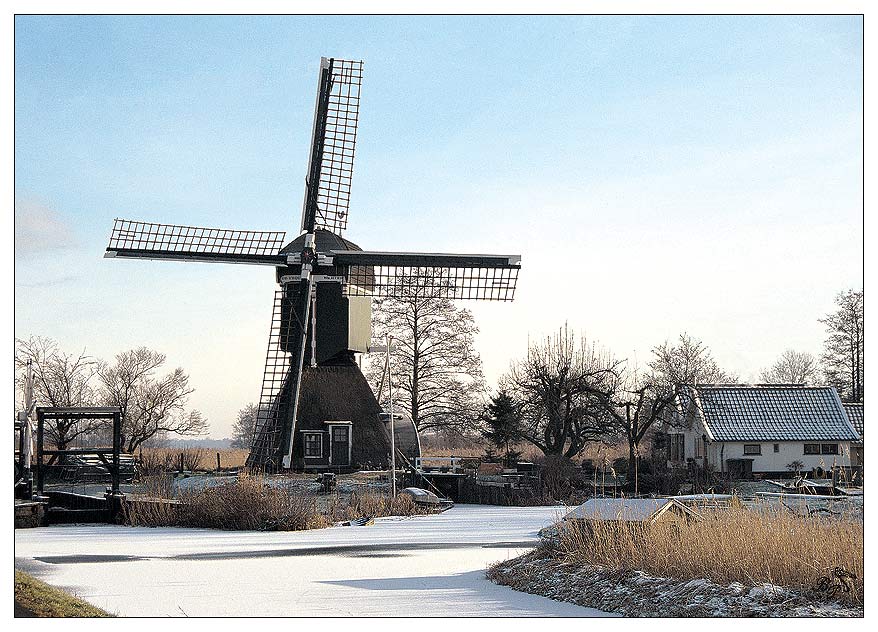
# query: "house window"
313,445
776,448
829,448
753,448
699,447
812,448
676,447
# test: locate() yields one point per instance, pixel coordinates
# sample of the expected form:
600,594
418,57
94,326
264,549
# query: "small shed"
632,510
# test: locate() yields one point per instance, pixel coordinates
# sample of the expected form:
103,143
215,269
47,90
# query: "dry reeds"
153,461
772,545
371,505
154,504
245,503
248,503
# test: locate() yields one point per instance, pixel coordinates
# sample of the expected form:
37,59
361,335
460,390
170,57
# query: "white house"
760,429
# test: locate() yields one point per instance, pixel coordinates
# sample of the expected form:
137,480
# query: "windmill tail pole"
307,282
392,421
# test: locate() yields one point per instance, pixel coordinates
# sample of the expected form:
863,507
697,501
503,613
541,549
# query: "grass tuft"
46,601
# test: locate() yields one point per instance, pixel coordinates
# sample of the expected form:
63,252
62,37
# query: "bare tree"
560,388
245,426
436,371
60,380
151,404
689,361
640,400
792,367
843,350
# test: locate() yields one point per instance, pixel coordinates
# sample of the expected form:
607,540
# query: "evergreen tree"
502,424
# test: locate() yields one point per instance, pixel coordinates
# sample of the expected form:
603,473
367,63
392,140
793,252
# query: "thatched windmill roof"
341,393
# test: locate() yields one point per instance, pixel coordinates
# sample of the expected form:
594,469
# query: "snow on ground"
636,594
418,566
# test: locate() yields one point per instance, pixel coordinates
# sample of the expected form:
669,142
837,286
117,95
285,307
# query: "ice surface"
420,566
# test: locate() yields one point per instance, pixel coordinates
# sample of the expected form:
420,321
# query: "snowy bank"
636,594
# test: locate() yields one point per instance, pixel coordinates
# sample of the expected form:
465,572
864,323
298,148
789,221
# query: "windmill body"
316,410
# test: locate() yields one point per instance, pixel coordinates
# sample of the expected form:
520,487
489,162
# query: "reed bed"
156,460
372,505
772,545
248,503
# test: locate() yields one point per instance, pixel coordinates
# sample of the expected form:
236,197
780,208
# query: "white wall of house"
768,460
788,451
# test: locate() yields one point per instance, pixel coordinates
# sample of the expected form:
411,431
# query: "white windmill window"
313,445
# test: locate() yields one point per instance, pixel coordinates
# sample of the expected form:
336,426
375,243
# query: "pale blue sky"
657,174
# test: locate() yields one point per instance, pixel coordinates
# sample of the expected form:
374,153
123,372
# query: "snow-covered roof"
773,413
421,495
626,509
703,497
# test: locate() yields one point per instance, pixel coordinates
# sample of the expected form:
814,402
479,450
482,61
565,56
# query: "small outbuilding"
633,510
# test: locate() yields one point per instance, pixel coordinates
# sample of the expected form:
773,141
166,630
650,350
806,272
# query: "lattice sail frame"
264,449
129,235
339,144
455,283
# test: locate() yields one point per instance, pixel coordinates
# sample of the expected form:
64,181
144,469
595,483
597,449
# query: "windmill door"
340,446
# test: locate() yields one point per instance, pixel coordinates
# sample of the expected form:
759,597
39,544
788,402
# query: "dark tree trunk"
631,473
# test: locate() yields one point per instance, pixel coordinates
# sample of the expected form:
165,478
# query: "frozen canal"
421,566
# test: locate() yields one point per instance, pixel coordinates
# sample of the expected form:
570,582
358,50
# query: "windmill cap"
324,241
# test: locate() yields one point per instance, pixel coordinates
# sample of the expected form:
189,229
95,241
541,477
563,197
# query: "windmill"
322,311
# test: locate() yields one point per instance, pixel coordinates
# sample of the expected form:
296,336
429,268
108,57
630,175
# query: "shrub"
154,461
560,477
191,458
249,504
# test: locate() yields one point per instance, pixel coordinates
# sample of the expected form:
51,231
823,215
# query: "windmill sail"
145,240
451,276
333,141
274,399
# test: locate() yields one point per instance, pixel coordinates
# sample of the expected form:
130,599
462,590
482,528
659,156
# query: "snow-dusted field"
420,566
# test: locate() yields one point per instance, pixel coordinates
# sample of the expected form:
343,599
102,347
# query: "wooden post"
181,462
117,448
116,499
218,462
40,473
